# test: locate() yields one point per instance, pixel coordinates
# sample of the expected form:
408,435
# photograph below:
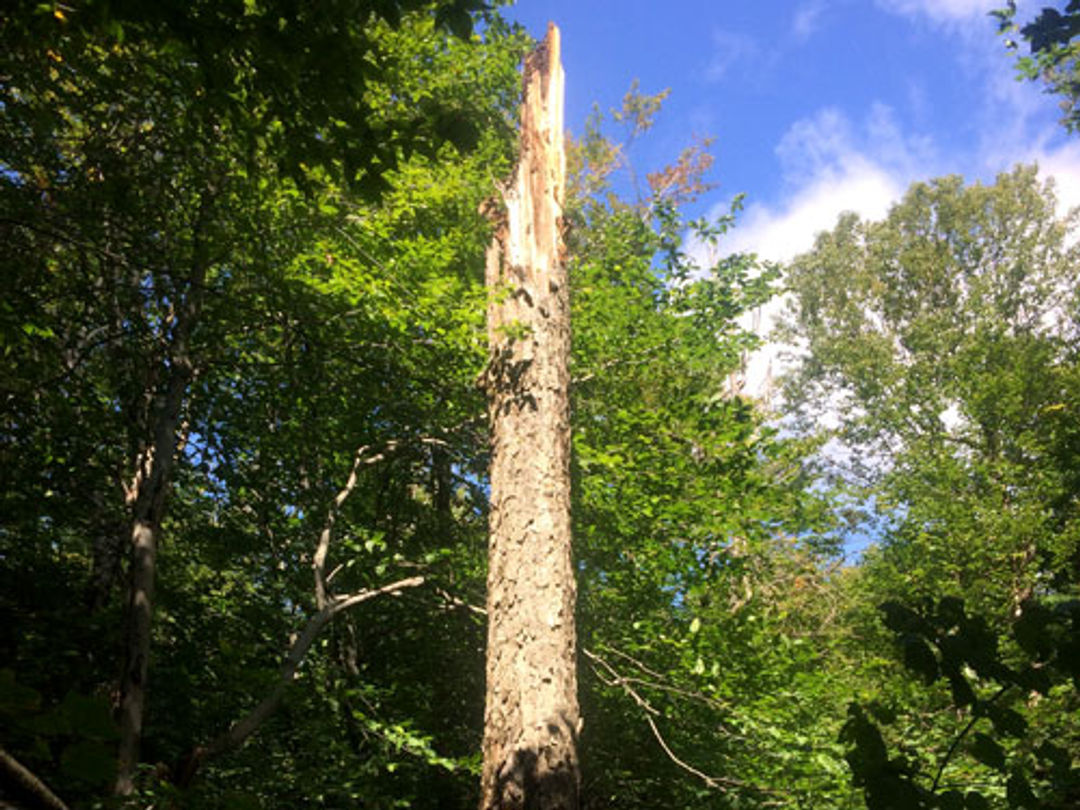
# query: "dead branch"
240,731
322,550
29,782
614,679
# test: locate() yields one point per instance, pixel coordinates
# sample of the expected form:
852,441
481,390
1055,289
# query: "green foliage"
74,736
700,583
942,340
329,321
941,344
278,77
176,157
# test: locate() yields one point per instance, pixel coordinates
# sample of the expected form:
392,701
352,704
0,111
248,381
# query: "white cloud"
830,166
1064,166
832,162
780,234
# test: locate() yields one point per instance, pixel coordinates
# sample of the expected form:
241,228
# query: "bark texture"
531,717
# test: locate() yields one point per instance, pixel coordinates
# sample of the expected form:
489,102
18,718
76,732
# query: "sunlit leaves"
692,584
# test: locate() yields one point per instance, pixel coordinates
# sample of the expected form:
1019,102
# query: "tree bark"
531,716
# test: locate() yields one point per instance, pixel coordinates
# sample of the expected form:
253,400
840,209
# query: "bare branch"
633,661
29,782
318,564
240,731
721,783
364,457
341,603
457,602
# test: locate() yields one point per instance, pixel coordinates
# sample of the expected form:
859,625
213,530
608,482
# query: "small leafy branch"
991,691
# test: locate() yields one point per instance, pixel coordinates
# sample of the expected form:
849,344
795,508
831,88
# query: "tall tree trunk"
531,717
147,495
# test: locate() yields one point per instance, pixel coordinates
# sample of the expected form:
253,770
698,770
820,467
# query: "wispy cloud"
781,233
832,162
731,49
807,19
942,11
831,165
835,161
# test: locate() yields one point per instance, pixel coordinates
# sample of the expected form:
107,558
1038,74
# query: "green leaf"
951,800
882,713
1019,794
1007,722
987,751
89,717
1035,679
16,698
962,693
902,619
1058,758
1032,630
869,754
919,658
456,18
950,610
458,129
239,800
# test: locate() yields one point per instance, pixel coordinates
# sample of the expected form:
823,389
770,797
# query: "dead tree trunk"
531,717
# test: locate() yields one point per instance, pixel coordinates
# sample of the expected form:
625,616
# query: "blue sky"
817,106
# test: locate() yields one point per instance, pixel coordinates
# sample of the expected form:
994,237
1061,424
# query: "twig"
633,661
318,563
963,733
460,603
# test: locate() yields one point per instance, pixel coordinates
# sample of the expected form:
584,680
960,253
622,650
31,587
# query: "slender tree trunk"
147,497
531,717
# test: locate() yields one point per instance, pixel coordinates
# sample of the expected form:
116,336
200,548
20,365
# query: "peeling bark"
531,716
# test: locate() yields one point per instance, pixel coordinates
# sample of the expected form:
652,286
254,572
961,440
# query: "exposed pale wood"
531,715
